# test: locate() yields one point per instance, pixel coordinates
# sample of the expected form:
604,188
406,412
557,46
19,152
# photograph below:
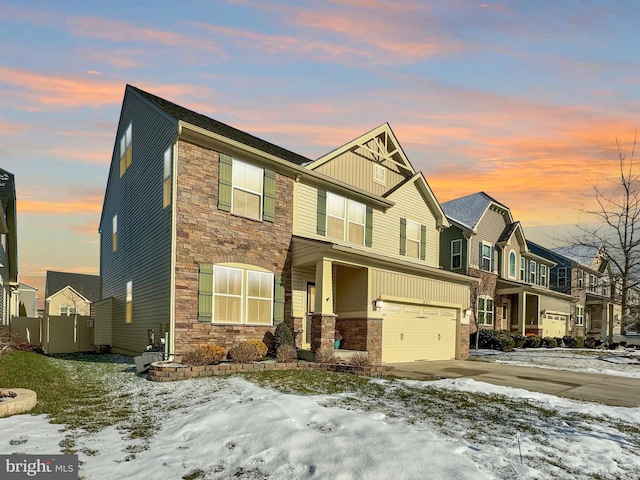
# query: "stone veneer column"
322,330
465,333
295,329
374,340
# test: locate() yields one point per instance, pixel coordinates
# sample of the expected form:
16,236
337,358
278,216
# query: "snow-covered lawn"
256,427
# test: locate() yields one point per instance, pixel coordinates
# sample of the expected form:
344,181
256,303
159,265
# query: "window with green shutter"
278,299
321,228
403,236
423,242
205,293
269,197
225,182
368,238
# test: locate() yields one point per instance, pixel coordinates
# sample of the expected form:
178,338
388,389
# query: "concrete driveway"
590,387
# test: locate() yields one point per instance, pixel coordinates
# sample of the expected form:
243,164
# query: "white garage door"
412,332
554,325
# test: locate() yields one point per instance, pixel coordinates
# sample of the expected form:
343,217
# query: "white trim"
459,241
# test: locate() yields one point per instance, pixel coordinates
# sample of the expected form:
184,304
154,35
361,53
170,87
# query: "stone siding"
208,235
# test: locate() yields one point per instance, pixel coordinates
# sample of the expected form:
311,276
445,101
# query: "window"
379,174
341,212
485,310
512,264
523,269
115,233
580,278
68,311
247,190
128,318
413,239
487,257
235,295
344,219
562,277
532,271
593,283
605,288
125,150
166,184
579,315
456,254
543,275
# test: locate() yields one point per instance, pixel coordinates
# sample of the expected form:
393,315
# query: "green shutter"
368,233
403,236
423,242
278,299
225,185
322,213
269,196
205,292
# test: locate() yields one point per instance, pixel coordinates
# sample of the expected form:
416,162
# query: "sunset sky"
521,99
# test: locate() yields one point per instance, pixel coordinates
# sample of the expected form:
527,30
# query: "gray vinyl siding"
446,236
143,255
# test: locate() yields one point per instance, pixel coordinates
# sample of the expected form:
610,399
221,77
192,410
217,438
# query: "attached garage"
554,325
416,332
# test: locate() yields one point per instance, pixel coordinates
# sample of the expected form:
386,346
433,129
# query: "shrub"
325,354
579,342
282,336
518,340
532,341
209,355
569,342
589,342
244,352
559,341
549,342
495,340
286,353
260,347
359,359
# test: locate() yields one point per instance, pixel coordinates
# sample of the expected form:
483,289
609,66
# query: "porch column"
323,320
522,312
604,322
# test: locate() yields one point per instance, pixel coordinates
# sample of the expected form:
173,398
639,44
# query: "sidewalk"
605,389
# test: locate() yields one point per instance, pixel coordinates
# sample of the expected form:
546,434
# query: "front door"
311,301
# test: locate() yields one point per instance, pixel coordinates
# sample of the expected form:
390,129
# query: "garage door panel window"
485,310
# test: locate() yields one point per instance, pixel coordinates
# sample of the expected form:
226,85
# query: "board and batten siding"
386,225
143,255
553,304
358,170
489,230
299,279
396,284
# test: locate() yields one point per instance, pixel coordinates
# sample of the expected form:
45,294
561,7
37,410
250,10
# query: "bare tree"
617,228
485,288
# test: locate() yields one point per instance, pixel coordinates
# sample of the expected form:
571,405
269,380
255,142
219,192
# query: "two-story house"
213,236
585,274
8,244
513,294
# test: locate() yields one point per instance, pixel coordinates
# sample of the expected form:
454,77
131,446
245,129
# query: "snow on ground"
218,428
623,363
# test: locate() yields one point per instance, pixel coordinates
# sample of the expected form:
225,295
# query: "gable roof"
467,211
86,285
394,153
70,288
180,113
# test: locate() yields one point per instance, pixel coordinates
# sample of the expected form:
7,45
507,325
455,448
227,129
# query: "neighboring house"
70,293
484,241
586,275
216,236
27,296
8,244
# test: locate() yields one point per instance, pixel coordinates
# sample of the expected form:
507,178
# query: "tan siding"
555,304
357,169
300,277
489,229
395,284
67,298
351,290
304,222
